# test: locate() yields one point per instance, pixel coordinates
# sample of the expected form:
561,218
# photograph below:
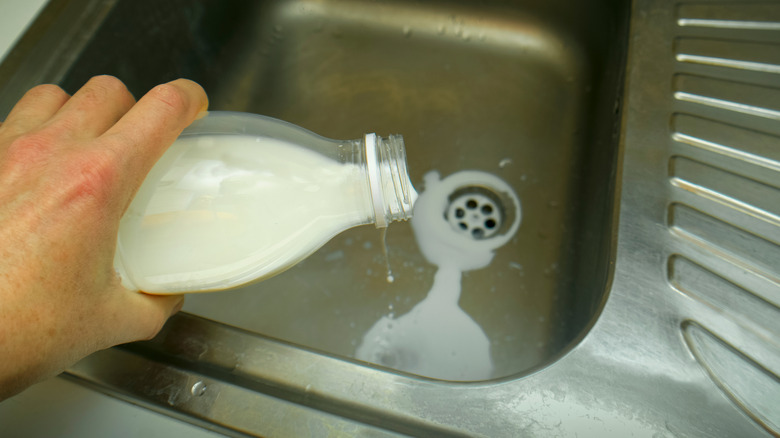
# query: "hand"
69,167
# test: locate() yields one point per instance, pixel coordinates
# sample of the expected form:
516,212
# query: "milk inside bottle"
239,197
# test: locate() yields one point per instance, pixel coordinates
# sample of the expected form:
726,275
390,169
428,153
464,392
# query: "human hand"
69,167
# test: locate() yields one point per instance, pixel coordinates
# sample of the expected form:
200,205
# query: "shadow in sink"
525,91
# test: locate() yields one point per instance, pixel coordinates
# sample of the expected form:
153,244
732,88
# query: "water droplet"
198,389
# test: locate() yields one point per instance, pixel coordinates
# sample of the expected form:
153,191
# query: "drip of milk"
437,338
390,276
217,212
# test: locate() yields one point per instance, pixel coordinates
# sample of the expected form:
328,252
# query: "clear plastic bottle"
241,197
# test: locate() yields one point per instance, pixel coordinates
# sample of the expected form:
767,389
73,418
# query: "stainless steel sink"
525,91
514,90
592,325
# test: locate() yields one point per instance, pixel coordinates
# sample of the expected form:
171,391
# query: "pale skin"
69,167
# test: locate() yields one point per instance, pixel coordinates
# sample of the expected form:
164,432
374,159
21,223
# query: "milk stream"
390,276
220,208
437,338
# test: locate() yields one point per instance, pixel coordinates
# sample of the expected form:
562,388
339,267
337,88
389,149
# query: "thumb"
140,316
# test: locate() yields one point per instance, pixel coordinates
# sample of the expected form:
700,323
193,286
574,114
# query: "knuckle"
46,91
29,150
93,175
102,88
106,83
174,98
75,175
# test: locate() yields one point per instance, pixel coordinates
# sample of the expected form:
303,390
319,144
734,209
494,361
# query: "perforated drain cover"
476,212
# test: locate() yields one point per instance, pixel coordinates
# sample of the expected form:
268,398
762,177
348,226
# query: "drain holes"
475,211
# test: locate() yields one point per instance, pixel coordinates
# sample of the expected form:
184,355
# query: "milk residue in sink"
437,338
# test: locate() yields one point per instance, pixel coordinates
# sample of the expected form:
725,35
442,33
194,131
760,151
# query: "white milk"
238,208
434,339
437,338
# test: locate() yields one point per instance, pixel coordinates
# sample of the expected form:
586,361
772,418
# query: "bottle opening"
392,193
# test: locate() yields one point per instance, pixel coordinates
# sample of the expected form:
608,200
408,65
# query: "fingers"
89,113
34,109
93,109
146,131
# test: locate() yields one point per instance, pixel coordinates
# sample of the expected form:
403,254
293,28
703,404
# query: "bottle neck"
392,193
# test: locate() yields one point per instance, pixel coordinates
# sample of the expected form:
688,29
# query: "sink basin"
504,89
525,91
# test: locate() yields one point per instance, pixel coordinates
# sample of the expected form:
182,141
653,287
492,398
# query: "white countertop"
59,407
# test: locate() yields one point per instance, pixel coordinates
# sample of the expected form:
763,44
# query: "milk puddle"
437,338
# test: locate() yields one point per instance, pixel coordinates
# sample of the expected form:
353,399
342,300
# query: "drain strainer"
475,211
462,219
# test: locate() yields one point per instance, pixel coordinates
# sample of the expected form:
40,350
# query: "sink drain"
475,211
459,221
